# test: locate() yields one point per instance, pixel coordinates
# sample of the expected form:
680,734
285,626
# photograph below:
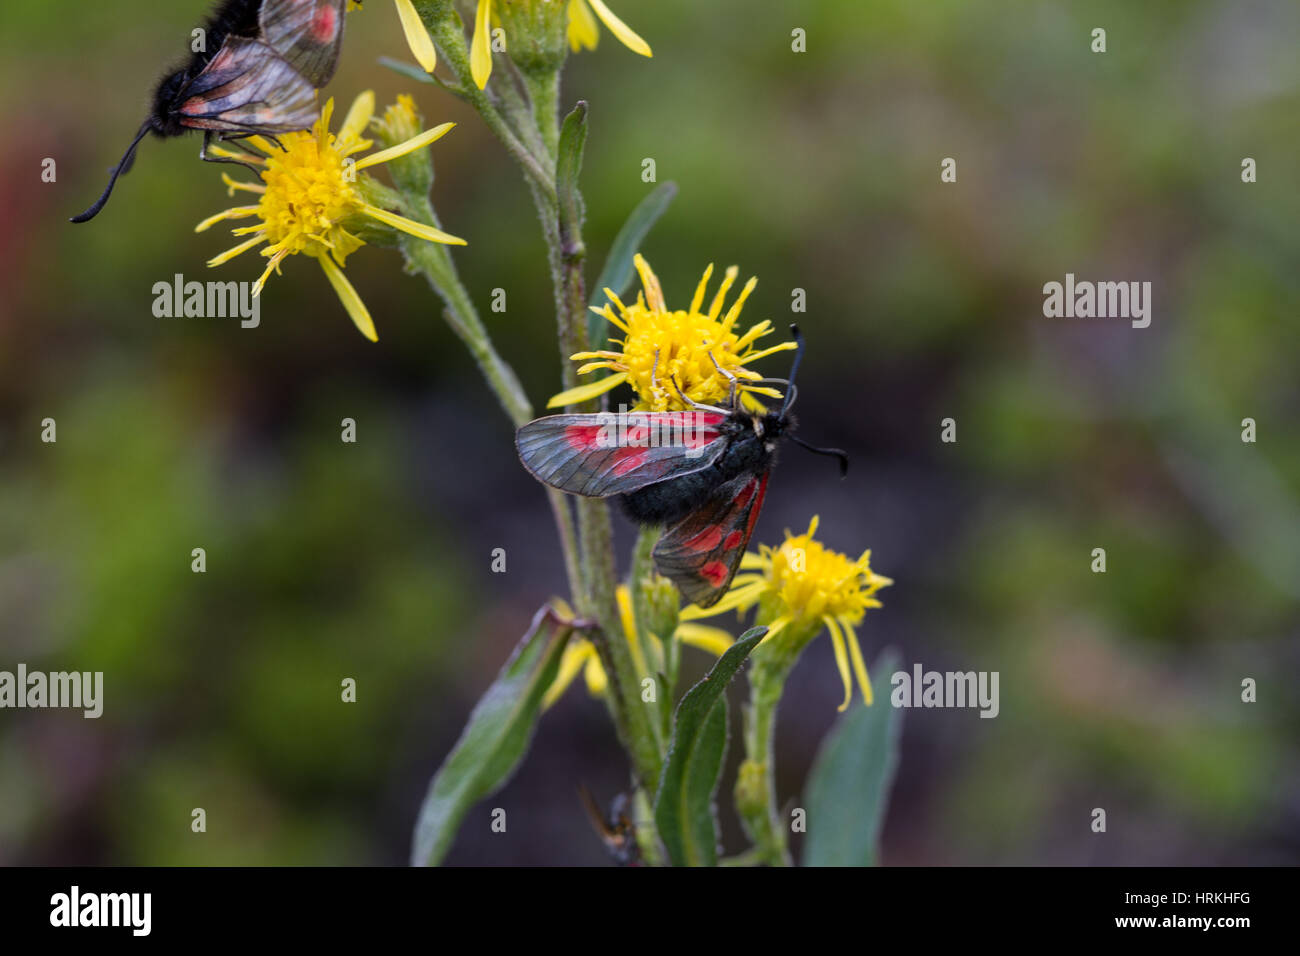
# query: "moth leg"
207,141
695,404
735,382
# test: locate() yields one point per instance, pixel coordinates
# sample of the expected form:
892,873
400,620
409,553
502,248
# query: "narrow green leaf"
493,741
409,70
848,788
568,167
684,804
617,274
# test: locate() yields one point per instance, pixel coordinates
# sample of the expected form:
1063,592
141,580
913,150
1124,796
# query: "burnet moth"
701,473
261,64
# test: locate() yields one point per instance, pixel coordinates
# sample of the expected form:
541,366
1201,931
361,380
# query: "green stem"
435,262
755,790
449,34
544,91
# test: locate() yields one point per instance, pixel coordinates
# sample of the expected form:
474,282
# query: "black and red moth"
261,64
705,485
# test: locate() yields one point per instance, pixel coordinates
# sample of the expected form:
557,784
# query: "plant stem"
544,91
755,790
435,262
449,35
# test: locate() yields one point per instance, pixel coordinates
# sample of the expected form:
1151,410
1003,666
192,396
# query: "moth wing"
307,33
587,455
248,87
701,553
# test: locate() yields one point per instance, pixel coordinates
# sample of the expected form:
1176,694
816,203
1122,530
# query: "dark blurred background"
817,171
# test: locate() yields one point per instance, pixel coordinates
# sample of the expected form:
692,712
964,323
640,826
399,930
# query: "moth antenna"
120,168
794,367
843,457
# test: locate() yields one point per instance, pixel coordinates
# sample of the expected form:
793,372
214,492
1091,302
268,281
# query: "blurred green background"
817,171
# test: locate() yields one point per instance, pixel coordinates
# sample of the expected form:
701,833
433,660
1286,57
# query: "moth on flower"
696,468
581,31
310,194
673,357
801,587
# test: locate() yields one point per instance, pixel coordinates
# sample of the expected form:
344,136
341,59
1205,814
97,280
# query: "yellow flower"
417,37
582,32
663,350
802,585
580,655
309,190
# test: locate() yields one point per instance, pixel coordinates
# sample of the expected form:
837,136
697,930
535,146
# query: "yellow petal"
417,37
698,299
735,598
623,597
417,229
573,659
480,51
734,312
712,639
235,184
654,292
582,393
410,146
271,266
238,212
357,310
238,250
260,142
358,118
584,33
841,660
859,665
728,278
594,675
620,29
783,347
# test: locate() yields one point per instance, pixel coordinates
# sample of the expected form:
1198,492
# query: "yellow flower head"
663,350
803,584
582,32
309,192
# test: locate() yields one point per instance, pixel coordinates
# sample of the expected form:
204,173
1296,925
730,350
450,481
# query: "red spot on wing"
734,540
628,459
706,540
583,437
746,493
715,572
325,25
758,504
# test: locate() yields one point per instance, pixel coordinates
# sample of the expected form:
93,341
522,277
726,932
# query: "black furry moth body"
256,72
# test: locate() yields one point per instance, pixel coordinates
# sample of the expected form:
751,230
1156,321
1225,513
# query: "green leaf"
568,167
409,70
617,274
494,740
684,803
848,788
